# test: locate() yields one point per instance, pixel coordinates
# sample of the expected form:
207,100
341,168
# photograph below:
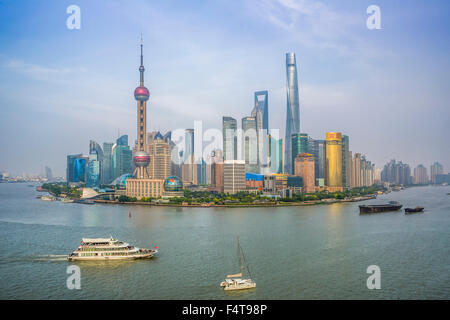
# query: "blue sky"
387,89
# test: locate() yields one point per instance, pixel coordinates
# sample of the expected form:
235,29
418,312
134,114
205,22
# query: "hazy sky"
387,89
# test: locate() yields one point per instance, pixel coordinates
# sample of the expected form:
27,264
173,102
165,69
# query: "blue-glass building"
93,173
79,170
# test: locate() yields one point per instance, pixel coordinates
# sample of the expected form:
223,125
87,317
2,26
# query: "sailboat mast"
239,255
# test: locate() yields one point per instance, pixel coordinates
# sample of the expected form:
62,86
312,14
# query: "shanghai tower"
292,111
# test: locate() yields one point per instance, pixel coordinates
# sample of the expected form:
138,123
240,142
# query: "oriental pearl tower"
141,158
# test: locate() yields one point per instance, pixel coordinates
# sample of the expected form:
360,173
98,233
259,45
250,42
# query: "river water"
311,252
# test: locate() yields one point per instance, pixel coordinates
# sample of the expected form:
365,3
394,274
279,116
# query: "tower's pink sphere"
141,159
141,94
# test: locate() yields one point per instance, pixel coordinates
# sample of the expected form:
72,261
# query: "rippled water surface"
315,252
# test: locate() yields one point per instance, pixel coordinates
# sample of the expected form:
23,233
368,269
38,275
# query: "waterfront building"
107,170
396,173
254,180
333,156
435,169
346,159
70,174
229,127
201,172
443,178
420,175
48,173
292,109
304,167
234,176
299,145
79,169
269,184
173,187
281,180
158,149
295,184
217,171
144,188
275,154
93,172
122,157
250,144
317,149
189,168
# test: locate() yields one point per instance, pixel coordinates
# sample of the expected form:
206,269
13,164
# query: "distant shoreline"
258,205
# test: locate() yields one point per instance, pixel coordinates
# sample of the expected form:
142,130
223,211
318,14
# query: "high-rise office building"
217,171
106,169
420,175
299,144
333,156
435,169
160,157
250,144
275,154
122,157
292,109
93,171
262,102
304,167
317,149
396,173
96,149
346,171
189,168
70,169
229,127
234,176
201,171
48,173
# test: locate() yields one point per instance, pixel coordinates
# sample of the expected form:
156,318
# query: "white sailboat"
235,281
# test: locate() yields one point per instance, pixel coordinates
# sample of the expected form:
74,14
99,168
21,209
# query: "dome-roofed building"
173,187
121,181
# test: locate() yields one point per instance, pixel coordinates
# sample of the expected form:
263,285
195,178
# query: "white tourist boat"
235,281
108,249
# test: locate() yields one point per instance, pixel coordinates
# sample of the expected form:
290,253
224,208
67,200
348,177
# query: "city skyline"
72,91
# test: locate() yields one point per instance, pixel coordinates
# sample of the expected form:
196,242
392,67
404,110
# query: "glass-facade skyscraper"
106,170
299,144
250,144
70,166
229,127
93,172
262,102
292,109
345,162
122,157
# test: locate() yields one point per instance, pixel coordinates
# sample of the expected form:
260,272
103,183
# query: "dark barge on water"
413,210
376,208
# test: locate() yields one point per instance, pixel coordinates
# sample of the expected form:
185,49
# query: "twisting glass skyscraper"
293,108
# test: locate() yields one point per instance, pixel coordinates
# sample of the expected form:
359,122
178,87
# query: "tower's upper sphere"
141,159
141,94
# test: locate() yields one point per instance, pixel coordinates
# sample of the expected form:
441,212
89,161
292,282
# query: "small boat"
413,210
66,200
129,214
108,249
235,281
376,208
